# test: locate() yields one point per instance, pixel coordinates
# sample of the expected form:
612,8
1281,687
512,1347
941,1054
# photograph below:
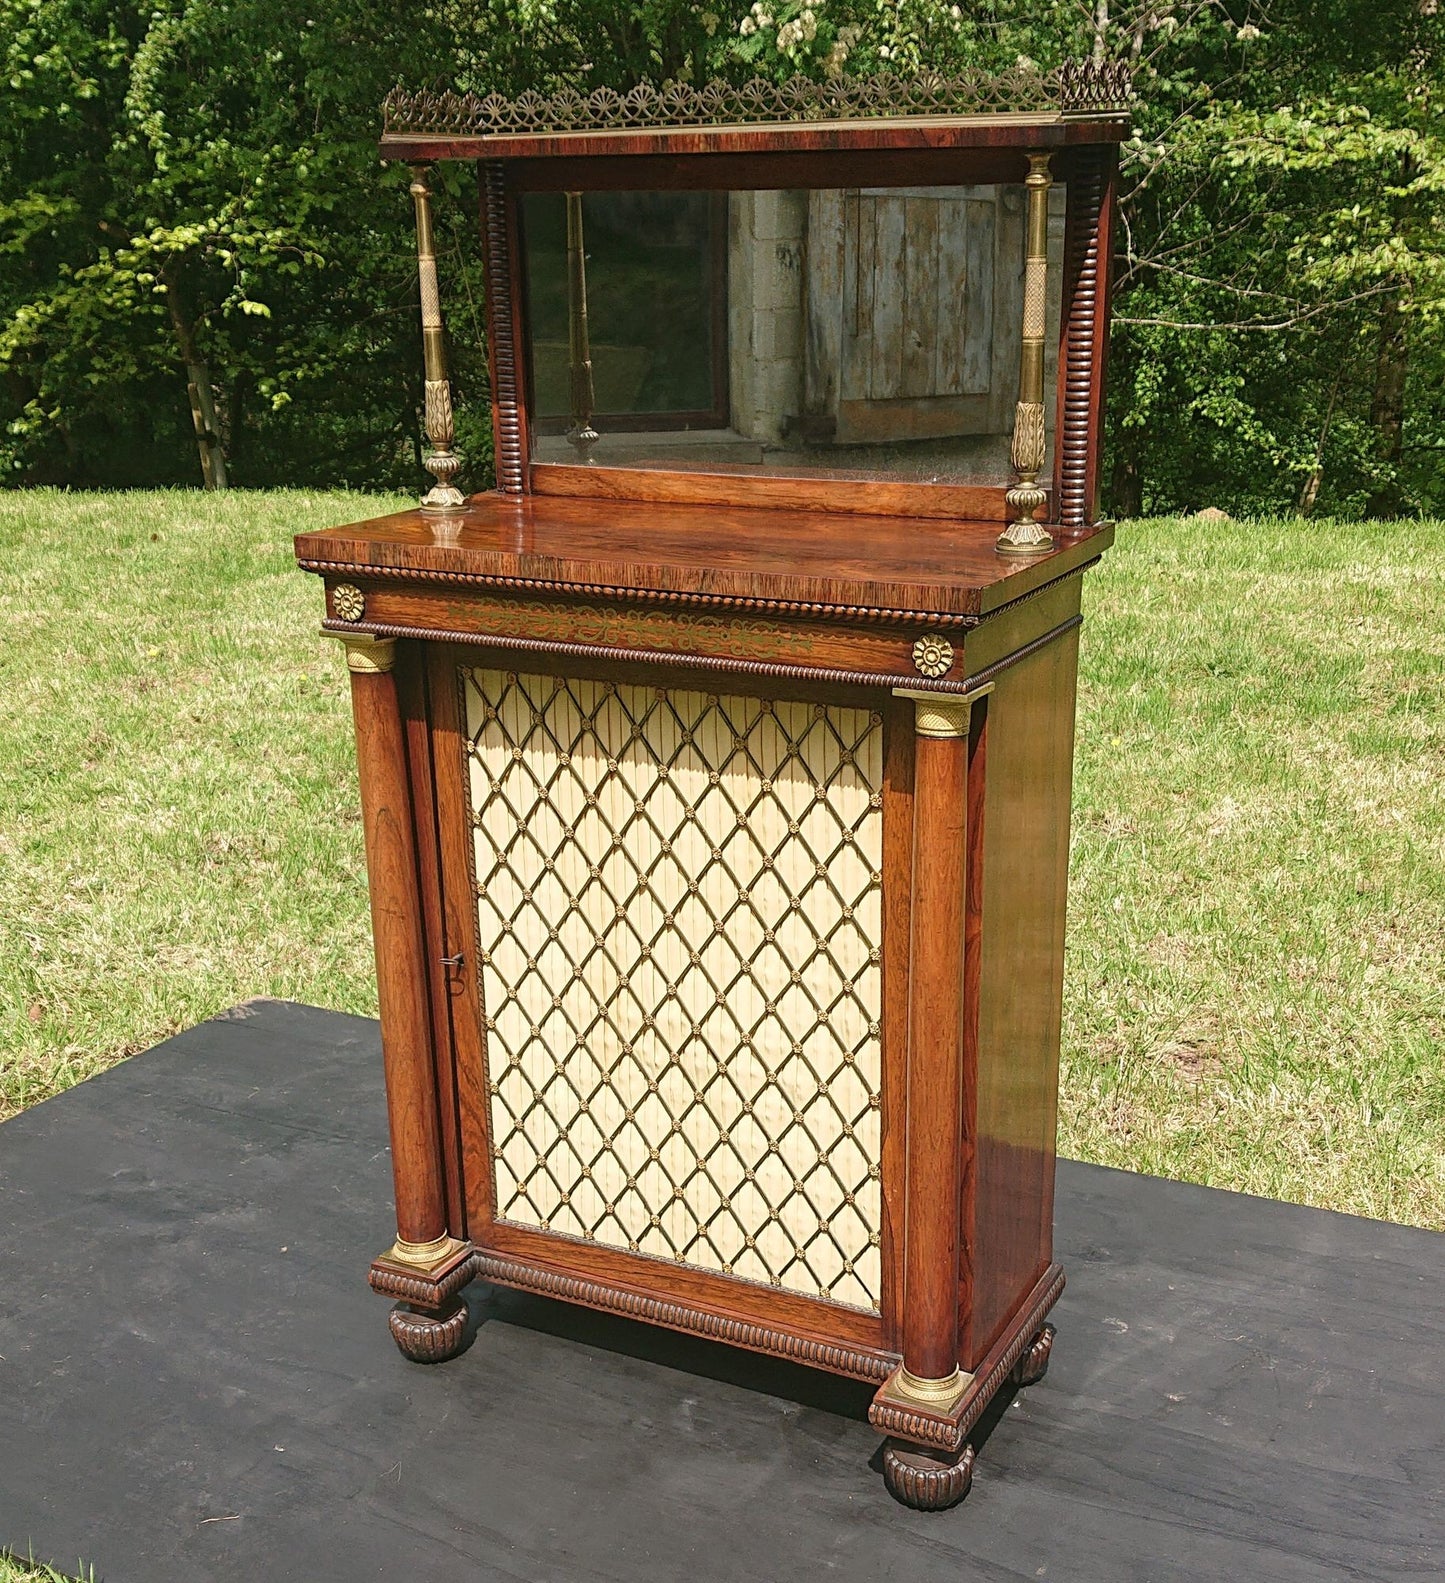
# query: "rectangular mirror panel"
868,333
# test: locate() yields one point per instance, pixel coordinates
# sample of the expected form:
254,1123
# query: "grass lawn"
23,1572
1255,992
1256,975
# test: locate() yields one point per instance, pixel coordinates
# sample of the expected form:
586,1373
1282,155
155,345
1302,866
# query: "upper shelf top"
1078,102
707,554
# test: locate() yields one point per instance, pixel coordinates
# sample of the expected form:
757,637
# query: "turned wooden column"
1084,335
935,1112
401,977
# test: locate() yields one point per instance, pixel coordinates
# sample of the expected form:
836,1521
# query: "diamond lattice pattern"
680,912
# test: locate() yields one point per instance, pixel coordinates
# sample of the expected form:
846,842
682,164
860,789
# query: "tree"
190,199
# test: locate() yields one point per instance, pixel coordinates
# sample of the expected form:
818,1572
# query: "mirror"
867,332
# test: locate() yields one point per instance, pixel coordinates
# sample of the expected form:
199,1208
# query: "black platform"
196,1384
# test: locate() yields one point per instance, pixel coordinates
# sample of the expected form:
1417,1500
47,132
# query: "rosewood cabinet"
715,766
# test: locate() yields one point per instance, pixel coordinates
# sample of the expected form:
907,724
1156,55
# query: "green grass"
1255,989
13,1570
1256,967
178,810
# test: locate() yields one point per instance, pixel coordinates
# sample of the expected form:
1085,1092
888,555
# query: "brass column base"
1024,538
425,1255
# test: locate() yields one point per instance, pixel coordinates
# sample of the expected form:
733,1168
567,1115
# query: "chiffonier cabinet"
715,764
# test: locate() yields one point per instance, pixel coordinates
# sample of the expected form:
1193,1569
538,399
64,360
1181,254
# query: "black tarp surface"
196,1384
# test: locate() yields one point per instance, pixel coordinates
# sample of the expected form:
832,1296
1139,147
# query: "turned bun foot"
923,1481
1034,1364
427,1338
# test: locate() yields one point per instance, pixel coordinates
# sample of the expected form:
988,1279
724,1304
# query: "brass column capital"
941,714
366,653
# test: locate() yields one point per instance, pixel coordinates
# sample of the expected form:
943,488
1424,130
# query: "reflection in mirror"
870,332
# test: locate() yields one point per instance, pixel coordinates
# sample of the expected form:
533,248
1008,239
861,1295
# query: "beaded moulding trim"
679,1316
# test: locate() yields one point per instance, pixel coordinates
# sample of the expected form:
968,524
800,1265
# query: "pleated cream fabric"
680,916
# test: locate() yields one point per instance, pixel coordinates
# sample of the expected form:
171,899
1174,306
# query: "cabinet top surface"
707,552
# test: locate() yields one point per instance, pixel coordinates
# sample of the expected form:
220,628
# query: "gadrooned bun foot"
428,1338
926,1482
1034,1364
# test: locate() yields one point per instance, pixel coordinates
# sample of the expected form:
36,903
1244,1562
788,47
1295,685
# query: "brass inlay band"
1024,536
441,460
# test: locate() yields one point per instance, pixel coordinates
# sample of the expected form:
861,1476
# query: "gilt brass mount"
1024,536
932,655
424,1255
366,654
348,602
441,460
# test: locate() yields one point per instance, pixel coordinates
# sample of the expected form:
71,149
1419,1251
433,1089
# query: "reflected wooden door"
914,296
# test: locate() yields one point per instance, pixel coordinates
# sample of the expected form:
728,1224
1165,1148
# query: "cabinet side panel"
1026,861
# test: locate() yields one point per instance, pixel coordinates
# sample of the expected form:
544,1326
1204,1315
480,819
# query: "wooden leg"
1034,1364
925,1464
426,1266
925,1480
935,1104
429,1338
429,1324
928,1459
401,976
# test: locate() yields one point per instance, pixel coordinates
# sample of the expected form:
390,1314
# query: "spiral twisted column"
1086,290
508,411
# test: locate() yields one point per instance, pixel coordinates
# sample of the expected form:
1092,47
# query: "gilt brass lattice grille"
680,913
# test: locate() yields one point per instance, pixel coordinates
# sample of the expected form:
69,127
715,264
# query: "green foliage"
215,161
1280,339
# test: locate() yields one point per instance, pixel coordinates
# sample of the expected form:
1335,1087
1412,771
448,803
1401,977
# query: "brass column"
1024,536
579,342
441,460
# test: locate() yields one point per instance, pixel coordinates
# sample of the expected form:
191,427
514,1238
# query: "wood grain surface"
399,933
934,1164
963,144
707,553
837,489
